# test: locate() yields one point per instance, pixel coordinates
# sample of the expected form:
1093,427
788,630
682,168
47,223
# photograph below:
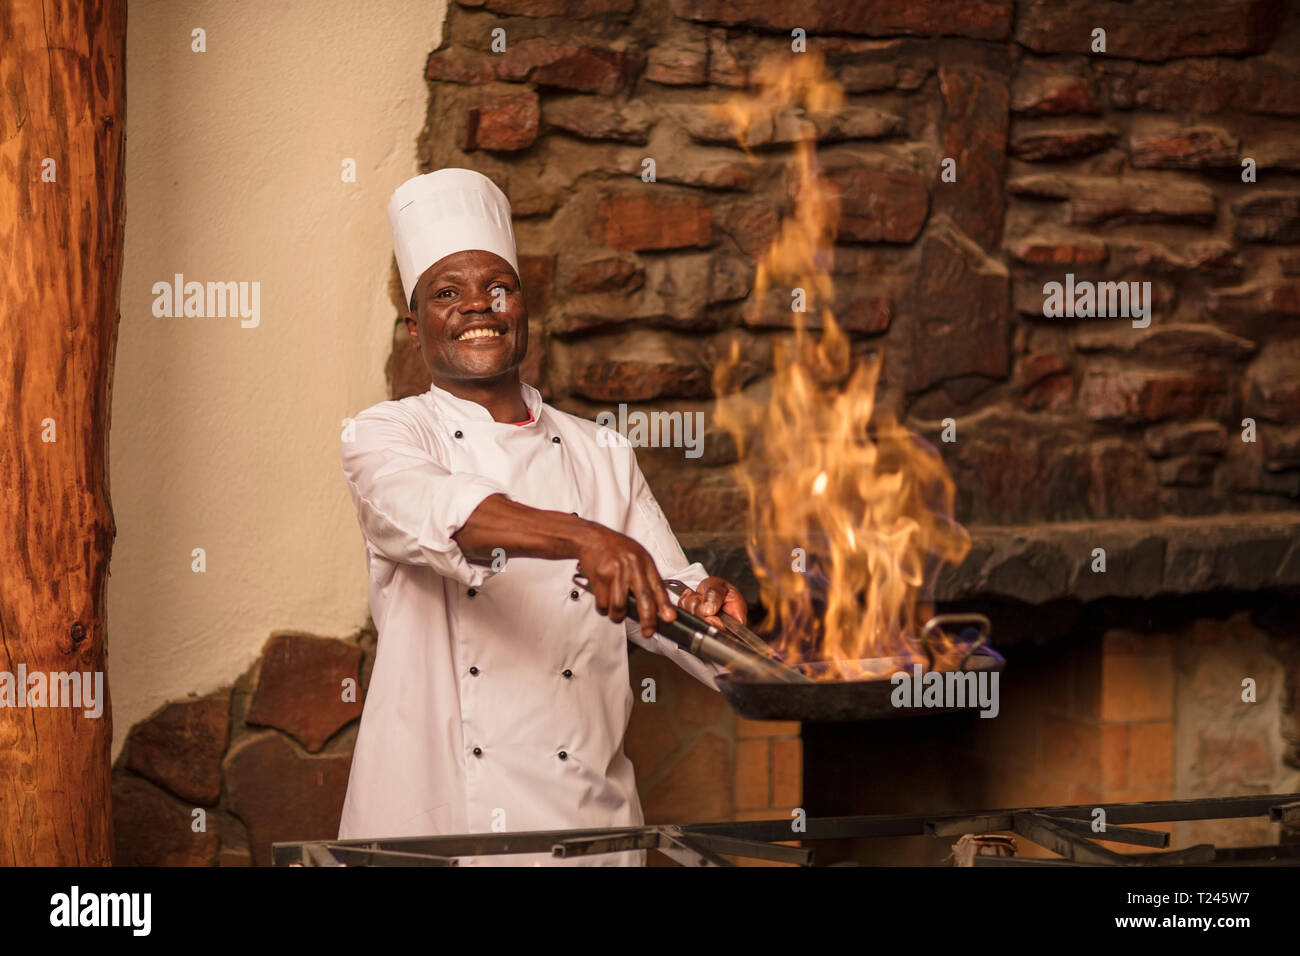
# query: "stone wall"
216,780
1118,166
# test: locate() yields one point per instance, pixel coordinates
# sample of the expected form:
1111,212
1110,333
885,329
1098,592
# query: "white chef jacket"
497,696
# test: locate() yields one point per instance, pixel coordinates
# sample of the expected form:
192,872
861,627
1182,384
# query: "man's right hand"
615,564
612,562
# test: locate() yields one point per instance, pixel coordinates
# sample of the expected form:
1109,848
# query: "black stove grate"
1066,831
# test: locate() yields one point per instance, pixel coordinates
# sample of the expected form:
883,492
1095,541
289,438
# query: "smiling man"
500,694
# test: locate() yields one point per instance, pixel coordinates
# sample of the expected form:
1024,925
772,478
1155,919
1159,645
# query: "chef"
500,693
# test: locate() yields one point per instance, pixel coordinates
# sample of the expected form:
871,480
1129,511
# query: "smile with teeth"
481,333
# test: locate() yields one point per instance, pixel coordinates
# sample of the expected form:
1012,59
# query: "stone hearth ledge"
1038,563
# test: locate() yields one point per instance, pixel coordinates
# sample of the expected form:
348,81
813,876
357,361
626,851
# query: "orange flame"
849,513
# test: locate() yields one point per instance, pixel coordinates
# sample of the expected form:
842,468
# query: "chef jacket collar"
464,410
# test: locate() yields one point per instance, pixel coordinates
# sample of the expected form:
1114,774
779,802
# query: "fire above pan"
764,688
899,687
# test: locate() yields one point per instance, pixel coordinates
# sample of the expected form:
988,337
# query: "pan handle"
939,621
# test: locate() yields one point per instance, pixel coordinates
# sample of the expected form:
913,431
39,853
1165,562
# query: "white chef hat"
445,211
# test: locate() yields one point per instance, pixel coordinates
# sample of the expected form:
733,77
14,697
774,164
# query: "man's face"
455,326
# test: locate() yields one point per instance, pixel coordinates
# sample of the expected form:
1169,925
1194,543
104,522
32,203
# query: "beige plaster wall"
224,437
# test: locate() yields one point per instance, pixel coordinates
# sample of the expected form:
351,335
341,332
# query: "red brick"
458,65
767,813
1070,250
1043,89
283,795
608,274
1152,754
569,66
1069,749
871,66
1168,342
724,68
702,501
976,103
1261,299
753,774
690,791
1273,383
599,119
1268,217
1203,86
878,205
1152,30
787,773
152,828
869,315
753,225
636,222
695,705
614,381
1027,789
1091,200
746,728
1135,396
180,747
1061,143
1232,757
1189,471
1189,147
1195,438
300,687
1136,686
1281,450
1116,757
679,61
650,736
982,19
505,124
960,321
568,9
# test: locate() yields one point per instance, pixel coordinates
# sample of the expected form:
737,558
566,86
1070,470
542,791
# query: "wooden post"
62,112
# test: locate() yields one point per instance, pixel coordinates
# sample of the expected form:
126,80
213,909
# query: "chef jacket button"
459,433
567,673
556,439
573,595
474,671
478,751
563,755
472,591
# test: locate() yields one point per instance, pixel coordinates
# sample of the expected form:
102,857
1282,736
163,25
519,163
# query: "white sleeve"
648,525
408,504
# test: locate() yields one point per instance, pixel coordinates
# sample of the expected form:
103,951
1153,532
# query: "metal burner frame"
1063,830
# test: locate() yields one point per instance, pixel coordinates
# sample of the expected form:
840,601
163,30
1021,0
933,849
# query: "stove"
1066,831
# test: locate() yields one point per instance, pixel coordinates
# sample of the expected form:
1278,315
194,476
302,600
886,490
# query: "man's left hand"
714,595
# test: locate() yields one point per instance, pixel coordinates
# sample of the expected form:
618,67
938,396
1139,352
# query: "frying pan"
762,688
866,699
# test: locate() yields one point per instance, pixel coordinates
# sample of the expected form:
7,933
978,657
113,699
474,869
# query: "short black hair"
413,291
